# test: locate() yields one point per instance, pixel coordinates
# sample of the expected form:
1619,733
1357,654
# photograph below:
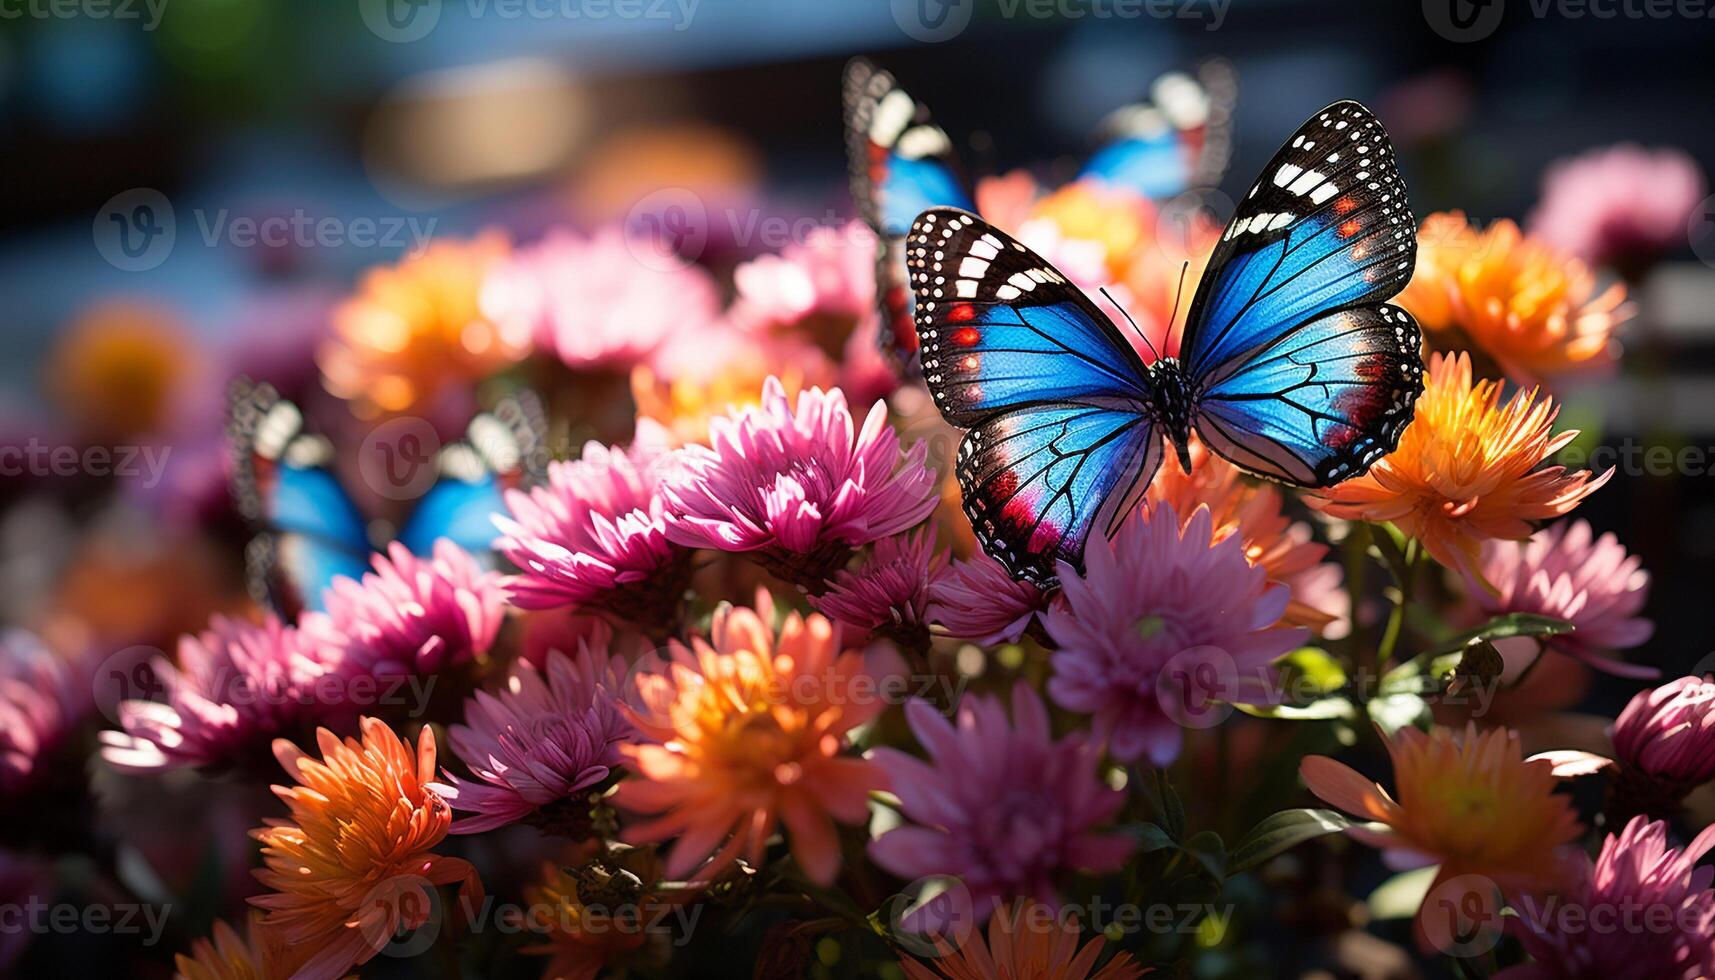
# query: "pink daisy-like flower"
1664,743
235,688
413,615
1618,204
978,602
1150,598
889,596
999,804
538,742
42,699
593,302
1567,572
594,537
793,487
1641,911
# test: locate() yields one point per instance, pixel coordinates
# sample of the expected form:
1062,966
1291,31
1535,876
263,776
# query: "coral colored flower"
225,955
1158,593
594,537
979,602
412,615
236,687
1466,469
1468,802
1618,204
1026,941
888,596
746,733
118,370
42,699
1533,311
596,913
414,329
1565,571
1664,743
1641,911
1001,805
792,485
594,303
537,743
351,865
1254,512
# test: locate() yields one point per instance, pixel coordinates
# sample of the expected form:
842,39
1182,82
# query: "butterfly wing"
1063,434
901,164
308,529
498,453
1178,139
1298,371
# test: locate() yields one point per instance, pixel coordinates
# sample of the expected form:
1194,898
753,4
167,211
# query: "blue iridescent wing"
498,453
901,165
308,528
1178,139
1297,369
1063,434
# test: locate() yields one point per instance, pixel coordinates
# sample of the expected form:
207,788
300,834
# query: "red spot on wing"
1350,227
1345,205
967,336
960,313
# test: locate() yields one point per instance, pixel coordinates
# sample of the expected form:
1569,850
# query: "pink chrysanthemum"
978,602
1149,596
889,596
1567,572
830,273
414,615
537,743
42,698
1641,911
594,537
999,804
1664,743
795,488
235,688
1618,204
593,303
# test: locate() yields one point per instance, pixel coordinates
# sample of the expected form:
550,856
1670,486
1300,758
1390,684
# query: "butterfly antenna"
1178,294
1134,326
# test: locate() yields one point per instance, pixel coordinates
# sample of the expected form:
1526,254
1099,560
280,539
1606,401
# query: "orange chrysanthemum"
729,376
351,867
1534,311
1466,469
1274,542
592,915
1468,802
415,328
748,734
227,956
1029,941
119,367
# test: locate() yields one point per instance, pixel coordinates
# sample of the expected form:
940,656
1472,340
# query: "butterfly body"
1291,365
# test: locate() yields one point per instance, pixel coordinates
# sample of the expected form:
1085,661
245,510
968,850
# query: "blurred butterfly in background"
1291,365
903,164
309,529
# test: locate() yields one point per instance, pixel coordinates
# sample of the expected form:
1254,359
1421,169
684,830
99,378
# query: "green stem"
1406,583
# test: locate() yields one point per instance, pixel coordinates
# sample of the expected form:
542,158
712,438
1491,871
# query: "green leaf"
1501,628
1163,803
1399,896
1396,711
1208,850
1316,669
1281,832
1326,708
1150,837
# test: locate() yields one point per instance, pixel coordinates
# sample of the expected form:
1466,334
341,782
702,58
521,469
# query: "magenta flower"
978,602
594,538
1620,204
595,303
413,615
1664,743
1568,573
889,596
1153,605
1641,911
794,488
43,697
236,687
537,743
1002,806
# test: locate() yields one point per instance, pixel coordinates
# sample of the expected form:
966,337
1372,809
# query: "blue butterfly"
903,164
1291,364
309,529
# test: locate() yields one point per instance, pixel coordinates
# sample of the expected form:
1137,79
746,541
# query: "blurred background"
188,187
